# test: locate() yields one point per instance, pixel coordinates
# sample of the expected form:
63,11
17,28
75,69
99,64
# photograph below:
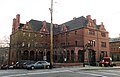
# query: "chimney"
88,16
44,23
18,18
102,23
13,25
74,18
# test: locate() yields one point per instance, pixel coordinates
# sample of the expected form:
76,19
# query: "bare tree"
5,41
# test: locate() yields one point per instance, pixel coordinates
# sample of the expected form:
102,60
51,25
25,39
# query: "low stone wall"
67,64
117,63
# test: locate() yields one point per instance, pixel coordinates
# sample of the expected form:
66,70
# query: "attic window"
26,26
103,34
91,32
43,29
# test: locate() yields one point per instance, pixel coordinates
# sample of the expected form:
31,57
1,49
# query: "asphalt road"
59,72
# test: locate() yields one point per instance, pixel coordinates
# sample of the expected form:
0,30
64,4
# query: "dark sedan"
39,65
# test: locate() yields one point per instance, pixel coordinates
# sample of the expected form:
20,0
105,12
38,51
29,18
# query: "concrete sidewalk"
90,68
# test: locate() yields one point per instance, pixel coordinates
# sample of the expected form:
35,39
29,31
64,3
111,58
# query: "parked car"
4,66
28,63
38,65
19,64
107,61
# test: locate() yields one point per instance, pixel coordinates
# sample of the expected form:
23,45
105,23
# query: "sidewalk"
90,68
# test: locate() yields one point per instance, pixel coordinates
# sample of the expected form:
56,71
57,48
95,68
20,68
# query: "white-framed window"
29,35
23,33
35,35
23,44
29,44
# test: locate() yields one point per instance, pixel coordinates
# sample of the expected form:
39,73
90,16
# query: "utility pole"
51,35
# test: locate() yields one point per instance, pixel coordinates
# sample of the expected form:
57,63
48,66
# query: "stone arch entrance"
40,55
68,56
48,56
80,56
31,55
25,55
92,57
72,56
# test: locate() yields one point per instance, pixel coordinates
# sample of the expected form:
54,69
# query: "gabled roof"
76,23
37,25
71,25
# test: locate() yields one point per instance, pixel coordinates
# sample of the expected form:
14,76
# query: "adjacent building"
4,52
115,48
78,40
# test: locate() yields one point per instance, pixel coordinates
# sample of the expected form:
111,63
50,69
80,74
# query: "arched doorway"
48,56
68,56
25,55
80,56
72,56
36,56
92,57
40,55
31,55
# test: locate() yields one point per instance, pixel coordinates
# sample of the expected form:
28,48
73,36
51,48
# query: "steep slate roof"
71,25
76,23
37,25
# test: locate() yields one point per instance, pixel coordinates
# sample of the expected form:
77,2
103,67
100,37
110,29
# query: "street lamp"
119,53
51,35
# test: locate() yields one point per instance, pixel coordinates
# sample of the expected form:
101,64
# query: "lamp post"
51,35
119,53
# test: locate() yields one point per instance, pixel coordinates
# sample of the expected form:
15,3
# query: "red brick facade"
70,40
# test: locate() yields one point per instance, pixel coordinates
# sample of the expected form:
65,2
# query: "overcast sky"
106,11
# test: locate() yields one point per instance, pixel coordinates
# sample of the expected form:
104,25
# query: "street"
59,72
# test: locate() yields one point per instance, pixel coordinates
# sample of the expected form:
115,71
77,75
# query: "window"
68,34
75,32
26,26
91,32
103,34
35,35
23,44
36,43
28,44
29,35
23,34
92,42
76,43
103,44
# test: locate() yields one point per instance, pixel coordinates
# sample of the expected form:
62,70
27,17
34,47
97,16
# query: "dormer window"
90,24
23,44
91,32
43,29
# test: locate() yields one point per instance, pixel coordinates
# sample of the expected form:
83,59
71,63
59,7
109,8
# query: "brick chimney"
18,18
13,25
74,18
88,16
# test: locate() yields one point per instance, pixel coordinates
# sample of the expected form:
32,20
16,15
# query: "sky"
106,11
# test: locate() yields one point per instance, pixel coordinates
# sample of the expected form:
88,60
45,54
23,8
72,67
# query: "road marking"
91,74
36,73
